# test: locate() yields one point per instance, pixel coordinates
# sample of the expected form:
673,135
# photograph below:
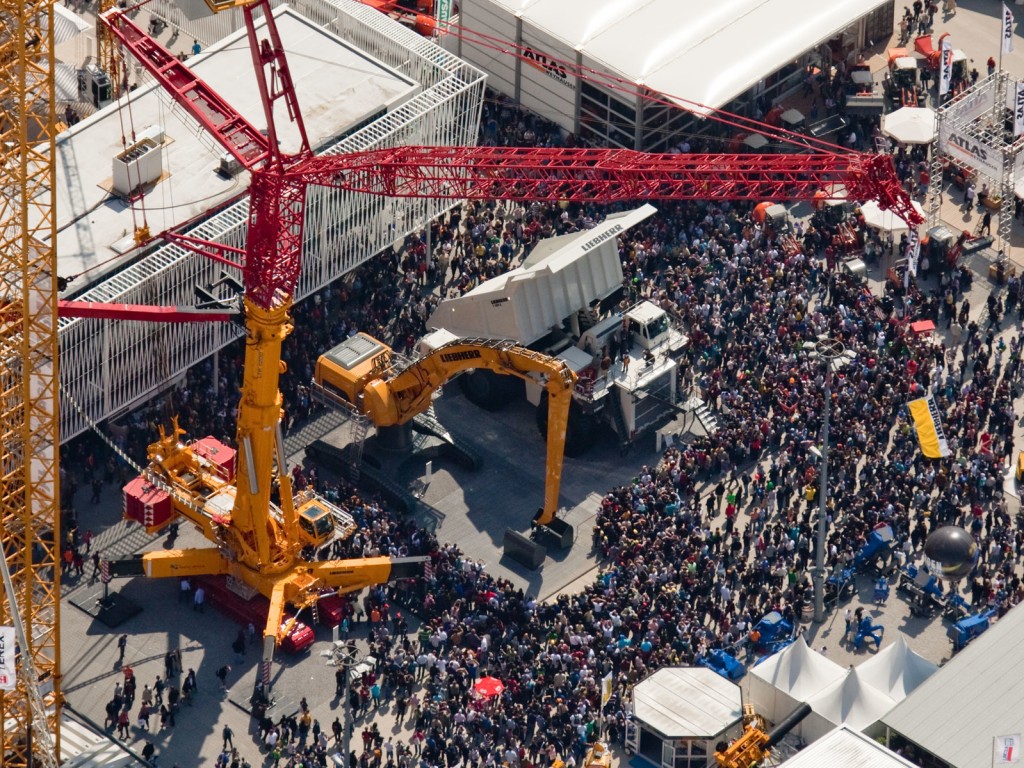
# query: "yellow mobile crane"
360,373
257,526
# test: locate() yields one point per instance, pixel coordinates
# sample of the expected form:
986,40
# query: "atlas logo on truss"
968,145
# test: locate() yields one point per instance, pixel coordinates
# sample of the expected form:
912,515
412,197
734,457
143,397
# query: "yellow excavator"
363,374
755,745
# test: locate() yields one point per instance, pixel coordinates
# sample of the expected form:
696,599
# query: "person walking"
222,675
227,735
122,724
184,589
198,598
122,643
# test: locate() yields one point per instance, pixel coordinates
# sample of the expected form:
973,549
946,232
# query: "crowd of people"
696,548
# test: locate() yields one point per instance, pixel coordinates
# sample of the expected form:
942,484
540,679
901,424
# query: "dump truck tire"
488,390
580,432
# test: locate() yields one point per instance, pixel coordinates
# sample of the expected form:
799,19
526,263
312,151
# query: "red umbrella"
489,687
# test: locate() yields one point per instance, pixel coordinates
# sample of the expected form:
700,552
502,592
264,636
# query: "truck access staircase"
703,413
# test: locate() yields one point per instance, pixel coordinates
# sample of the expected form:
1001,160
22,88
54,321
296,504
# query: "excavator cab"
345,370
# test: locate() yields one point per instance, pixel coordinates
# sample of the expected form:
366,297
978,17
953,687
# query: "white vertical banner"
1018,110
8,674
945,66
606,689
1006,750
913,251
1007,30
443,14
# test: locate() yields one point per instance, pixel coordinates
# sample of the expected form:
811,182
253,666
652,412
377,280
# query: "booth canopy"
910,125
886,221
687,703
793,675
698,54
896,670
755,141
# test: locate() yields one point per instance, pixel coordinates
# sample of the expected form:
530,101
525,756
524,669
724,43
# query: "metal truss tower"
29,478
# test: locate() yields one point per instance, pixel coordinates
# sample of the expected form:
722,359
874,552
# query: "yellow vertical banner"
928,426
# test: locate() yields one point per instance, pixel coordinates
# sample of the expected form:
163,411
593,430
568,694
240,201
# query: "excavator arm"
397,400
392,396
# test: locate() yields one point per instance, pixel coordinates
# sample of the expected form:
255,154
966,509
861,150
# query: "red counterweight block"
147,505
222,456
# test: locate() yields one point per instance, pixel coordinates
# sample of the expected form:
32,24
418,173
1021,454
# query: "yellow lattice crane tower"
29,436
108,51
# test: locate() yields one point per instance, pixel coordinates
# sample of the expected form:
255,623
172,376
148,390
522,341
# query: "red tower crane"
256,541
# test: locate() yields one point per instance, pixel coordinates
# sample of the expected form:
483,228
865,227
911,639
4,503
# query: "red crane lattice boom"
605,175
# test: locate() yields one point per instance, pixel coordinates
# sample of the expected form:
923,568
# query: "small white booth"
680,714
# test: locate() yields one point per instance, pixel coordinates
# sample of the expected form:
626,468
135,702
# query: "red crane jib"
606,175
236,134
98,310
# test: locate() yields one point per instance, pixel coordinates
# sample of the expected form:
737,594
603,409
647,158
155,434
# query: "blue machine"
840,584
924,588
881,590
723,663
776,633
967,629
868,631
878,545
955,607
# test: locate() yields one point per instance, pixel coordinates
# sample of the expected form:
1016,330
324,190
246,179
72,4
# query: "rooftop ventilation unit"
229,167
141,163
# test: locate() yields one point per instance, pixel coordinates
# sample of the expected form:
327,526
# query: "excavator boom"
360,370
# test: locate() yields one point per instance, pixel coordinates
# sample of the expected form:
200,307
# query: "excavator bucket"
524,550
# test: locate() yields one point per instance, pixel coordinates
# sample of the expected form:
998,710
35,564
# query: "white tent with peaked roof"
851,702
896,670
793,675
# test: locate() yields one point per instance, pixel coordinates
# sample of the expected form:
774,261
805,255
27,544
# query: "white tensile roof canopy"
781,682
896,670
701,53
846,748
850,702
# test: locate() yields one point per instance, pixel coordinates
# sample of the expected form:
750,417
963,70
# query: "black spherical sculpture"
950,553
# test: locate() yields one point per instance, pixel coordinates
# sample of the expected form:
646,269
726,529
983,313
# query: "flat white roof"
978,695
687,703
844,748
708,53
338,86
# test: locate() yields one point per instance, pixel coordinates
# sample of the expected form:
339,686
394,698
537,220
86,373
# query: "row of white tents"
858,697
